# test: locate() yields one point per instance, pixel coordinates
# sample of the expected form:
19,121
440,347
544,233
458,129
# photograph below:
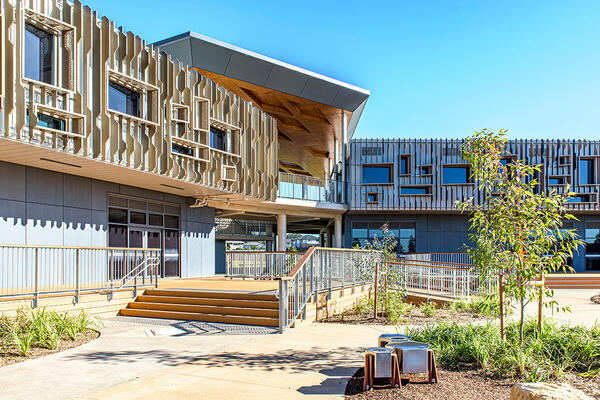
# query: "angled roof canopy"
308,106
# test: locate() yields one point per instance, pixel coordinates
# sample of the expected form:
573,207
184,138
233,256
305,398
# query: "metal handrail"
141,269
321,269
259,264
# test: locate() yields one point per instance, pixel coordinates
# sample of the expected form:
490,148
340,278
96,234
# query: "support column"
281,232
328,237
344,156
338,232
322,238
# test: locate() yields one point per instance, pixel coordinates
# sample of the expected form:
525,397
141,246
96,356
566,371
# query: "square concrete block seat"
380,362
415,358
391,338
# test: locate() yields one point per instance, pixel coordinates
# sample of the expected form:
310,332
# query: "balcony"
302,187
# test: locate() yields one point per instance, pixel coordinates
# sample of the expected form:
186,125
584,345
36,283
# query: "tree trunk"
522,321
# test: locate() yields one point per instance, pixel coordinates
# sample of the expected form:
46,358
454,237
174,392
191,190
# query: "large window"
592,247
403,232
123,100
587,171
377,174
405,165
39,46
218,139
455,175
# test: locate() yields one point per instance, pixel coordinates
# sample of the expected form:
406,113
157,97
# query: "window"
175,148
556,180
592,247
587,171
415,190
136,217
579,198
426,170
217,139
123,100
403,233
39,46
117,215
50,122
376,174
455,175
405,165
372,197
155,220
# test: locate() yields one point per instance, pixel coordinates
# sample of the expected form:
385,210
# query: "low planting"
42,329
482,305
556,351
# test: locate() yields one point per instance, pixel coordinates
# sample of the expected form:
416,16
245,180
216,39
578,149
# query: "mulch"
453,385
412,317
11,357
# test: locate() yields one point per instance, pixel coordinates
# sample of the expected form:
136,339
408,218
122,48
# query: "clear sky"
434,68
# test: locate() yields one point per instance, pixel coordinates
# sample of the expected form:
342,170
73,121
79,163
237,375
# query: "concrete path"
126,350
314,360
583,311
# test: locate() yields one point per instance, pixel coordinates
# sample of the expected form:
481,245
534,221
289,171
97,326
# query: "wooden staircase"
231,307
573,281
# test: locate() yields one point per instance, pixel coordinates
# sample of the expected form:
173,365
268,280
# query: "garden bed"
455,385
11,356
36,333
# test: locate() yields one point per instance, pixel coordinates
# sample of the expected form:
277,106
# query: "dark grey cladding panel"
210,57
180,50
248,69
320,91
348,99
286,80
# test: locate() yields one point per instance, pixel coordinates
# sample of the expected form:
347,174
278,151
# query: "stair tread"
200,309
242,319
267,304
266,296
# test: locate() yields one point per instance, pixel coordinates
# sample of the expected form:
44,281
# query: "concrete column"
281,232
322,239
338,232
328,237
344,155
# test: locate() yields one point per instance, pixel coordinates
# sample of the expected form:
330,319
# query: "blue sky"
434,68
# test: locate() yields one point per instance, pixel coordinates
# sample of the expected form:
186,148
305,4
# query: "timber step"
231,307
579,281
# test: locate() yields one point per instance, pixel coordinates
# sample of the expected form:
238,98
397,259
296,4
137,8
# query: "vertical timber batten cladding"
168,114
429,174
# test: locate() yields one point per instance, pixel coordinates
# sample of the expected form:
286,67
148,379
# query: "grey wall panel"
99,191
99,234
44,187
77,192
12,181
131,191
44,224
13,222
77,226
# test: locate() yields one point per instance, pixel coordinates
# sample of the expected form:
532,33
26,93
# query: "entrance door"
144,239
171,253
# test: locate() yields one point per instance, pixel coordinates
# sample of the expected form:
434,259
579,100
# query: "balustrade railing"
456,258
31,271
322,269
260,264
301,187
440,279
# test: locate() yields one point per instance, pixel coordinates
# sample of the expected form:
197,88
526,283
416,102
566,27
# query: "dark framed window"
377,174
117,215
372,197
587,171
176,148
123,100
579,198
403,233
51,122
138,218
405,165
171,221
560,180
218,139
592,246
39,53
455,175
415,190
155,220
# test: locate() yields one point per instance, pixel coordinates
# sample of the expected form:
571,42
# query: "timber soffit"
178,107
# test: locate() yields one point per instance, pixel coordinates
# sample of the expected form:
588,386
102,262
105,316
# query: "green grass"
556,351
42,328
482,305
428,309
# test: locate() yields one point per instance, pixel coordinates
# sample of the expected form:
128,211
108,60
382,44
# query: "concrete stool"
415,358
391,338
381,362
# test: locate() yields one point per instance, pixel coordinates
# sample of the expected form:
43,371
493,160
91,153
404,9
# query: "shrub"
394,306
542,356
482,305
428,309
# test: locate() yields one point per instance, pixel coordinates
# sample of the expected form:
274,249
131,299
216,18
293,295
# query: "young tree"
516,228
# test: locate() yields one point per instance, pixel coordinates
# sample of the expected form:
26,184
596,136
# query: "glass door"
171,253
140,238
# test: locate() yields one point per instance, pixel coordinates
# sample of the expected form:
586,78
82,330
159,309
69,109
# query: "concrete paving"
314,360
128,348
583,311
